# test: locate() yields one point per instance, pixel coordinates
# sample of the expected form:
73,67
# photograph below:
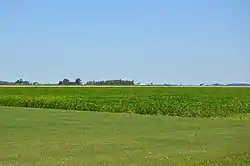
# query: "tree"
60,82
65,81
78,81
22,82
6,83
35,83
111,82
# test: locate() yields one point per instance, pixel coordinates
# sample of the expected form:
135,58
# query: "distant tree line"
18,82
66,81
78,81
111,82
6,83
22,82
217,84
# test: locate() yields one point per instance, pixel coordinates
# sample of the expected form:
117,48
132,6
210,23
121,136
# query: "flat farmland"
126,86
124,126
171,101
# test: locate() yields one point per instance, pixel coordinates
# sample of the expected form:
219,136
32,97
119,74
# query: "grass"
129,86
42,137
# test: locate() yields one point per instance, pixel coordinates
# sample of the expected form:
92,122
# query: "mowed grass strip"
188,101
58,137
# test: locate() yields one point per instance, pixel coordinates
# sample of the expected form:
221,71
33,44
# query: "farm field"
41,137
119,126
182,101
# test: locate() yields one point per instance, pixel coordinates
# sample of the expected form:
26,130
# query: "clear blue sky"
161,41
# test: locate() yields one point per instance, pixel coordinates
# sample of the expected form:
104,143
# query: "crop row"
161,104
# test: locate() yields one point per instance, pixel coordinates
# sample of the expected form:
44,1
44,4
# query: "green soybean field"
124,126
185,101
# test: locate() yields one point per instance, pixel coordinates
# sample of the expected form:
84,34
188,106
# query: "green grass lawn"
30,136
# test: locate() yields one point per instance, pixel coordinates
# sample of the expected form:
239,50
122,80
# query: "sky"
161,41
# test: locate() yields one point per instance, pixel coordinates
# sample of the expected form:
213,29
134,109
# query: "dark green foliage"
22,82
111,82
66,81
190,102
6,83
